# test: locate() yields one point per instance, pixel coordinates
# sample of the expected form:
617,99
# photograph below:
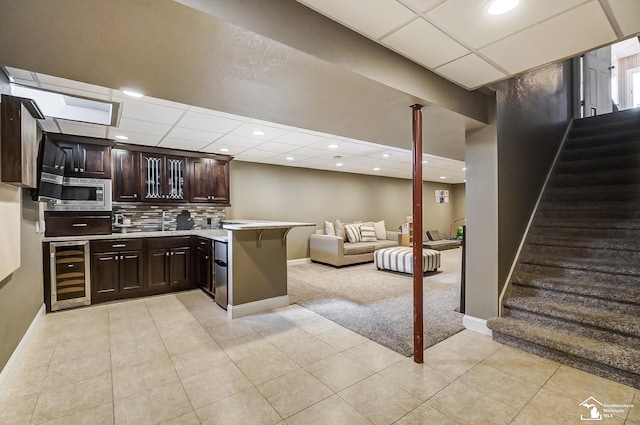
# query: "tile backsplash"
146,218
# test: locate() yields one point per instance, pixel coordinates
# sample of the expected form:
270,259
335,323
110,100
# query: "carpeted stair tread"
580,253
612,118
592,233
617,356
599,151
597,178
597,164
587,223
591,206
586,315
586,241
618,135
553,271
593,264
608,128
628,292
621,192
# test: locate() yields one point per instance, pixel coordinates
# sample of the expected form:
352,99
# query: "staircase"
575,291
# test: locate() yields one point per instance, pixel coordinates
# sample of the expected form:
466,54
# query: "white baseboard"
475,324
240,310
11,363
297,261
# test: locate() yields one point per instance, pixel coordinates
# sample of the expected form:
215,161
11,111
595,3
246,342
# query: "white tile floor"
177,359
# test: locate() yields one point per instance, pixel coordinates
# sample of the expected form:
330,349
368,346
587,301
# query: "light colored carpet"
379,304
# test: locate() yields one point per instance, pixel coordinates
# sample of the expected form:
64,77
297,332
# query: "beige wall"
271,192
459,204
21,294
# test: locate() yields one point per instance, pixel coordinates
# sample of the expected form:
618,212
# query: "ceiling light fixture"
376,169
500,7
290,158
339,164
224,149
132,93
121,137
258,133
443,177
333,146
386,155
464,168
425,162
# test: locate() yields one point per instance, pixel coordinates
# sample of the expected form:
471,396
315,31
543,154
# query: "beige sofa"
334,250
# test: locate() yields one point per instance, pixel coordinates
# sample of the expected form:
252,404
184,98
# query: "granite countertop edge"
213,234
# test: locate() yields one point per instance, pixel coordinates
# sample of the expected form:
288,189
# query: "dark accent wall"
533,111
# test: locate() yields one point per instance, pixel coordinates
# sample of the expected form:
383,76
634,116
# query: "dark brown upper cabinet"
126,180
19,141
164,178
91,161
209,180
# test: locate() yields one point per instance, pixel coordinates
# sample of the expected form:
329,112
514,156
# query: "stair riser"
559,272
610,178
598,164
547,217
581,329
587,233
581,253
595,153
617,293
585,142
583,266
631,308
583,243
611,119
586,195
623,125
624,377
576,223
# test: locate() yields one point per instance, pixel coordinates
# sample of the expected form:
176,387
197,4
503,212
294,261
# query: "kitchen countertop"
261,224
213,234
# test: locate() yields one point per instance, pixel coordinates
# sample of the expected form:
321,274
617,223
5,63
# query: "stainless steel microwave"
81,194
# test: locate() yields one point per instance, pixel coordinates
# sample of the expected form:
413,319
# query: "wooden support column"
418,323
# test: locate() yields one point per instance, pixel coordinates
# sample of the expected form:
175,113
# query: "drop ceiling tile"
254,155
134,138
315,162
425,44
184,144
345,147
313,153
301,139
627,14
49,125
270,133
63,82
422,5
73,91
550,40
233,140
218,113
20,73
146,111
207,122
277,147
71,127
471,71
223,149
195,135
143,127
468,21
373,18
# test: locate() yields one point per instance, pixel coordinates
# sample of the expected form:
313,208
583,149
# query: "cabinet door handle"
116,257
135,195
75,169
79,225
206,257
172,253
167,253
82,170
57,166
119,245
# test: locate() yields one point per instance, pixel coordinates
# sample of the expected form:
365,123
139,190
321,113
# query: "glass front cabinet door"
164,178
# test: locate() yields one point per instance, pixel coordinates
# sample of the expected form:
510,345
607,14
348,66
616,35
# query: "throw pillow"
340,229
380,229
434,235
329,229
367,234
353,232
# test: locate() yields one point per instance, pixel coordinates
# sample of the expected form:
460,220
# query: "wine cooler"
70,282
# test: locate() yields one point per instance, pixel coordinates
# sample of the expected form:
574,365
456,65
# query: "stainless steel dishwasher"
220,273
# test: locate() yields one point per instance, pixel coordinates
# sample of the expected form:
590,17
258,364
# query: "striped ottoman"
400,259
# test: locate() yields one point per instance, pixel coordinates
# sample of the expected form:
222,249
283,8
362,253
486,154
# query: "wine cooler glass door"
69,274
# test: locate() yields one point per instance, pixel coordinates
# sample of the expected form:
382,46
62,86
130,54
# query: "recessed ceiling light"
425,162
386,155
290,158
500,7
258,133
224,149
443,177
465,180
339,164
464,168
376,169
121,137
132,93
333,146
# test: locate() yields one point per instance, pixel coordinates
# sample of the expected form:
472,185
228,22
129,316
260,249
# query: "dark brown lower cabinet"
169,262
117,269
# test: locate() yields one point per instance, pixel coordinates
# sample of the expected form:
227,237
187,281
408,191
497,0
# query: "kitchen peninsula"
245,259
257,258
